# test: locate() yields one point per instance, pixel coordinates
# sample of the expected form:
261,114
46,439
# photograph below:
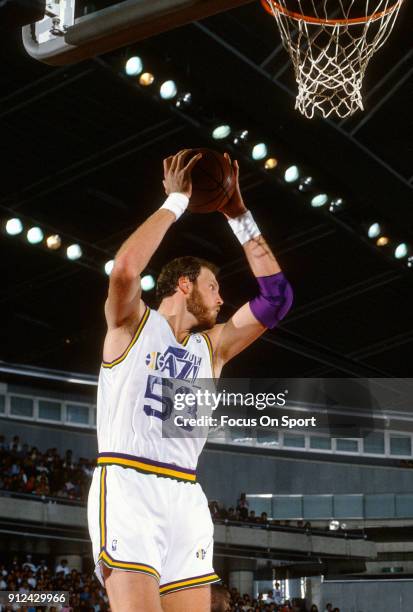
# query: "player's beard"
197,307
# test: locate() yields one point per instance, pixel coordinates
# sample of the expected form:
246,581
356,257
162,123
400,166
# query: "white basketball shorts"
156,525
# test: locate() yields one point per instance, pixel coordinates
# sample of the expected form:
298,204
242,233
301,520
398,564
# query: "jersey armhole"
210,351
122,357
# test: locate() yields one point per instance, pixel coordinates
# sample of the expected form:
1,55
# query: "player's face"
205,301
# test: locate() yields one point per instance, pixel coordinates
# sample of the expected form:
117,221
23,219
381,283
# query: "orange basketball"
213,182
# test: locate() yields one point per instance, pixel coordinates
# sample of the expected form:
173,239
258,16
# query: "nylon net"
330,43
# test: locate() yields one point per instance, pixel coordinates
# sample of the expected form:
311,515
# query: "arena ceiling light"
35,235
271,163
184,99
319,200
374,230
74,252
259,151
146,79
14,227
401,250
134,66
334,525
336,204
382,241
109,266
410,262
168,90
221,132
292,174
54,242
147,282
240,137
306,184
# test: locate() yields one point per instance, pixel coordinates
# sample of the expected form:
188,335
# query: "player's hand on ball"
177,172
235,206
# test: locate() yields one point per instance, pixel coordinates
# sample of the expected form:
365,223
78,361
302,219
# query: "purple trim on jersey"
171,466
273,301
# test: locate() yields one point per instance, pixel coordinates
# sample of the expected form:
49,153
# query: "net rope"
330,45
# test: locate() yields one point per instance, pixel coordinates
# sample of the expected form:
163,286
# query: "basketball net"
330,44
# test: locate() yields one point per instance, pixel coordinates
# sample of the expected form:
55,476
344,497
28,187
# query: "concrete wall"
371,596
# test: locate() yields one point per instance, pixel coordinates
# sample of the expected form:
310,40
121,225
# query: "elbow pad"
274,300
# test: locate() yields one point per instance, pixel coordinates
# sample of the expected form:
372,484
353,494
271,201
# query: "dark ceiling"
82,148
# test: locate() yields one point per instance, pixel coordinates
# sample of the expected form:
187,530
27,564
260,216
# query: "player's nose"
220,301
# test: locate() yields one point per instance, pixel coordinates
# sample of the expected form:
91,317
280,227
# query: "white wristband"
176,203
244,227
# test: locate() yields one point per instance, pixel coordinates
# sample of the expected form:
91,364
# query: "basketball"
213,182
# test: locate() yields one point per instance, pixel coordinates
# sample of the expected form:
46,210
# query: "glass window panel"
348,446
380,506
49,410
77,414
320,442
293,440
374,443
287,507
318,506
404,506
348,506
21,406
400,445
266,436
2,404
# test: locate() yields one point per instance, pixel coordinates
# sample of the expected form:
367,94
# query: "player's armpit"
230,338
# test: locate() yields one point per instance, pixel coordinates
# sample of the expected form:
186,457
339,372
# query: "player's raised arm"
124,306
275,295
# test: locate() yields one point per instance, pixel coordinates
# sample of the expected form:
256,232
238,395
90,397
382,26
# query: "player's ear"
184,284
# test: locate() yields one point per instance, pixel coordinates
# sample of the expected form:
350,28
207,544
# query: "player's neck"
178,317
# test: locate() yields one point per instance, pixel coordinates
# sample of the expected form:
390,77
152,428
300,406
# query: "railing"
329,507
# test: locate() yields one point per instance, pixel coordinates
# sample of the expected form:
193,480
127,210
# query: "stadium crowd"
88,595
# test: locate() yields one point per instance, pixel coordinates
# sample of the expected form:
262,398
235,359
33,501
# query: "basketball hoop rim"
327,22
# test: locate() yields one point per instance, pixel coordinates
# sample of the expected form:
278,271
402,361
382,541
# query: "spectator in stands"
263,518
252,517
28,564
220,599
329,607
336,610
313,608
242,506
63,567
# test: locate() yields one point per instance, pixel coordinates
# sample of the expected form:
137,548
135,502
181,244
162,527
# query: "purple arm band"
273,301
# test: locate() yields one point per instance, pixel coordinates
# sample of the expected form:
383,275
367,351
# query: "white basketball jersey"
132,411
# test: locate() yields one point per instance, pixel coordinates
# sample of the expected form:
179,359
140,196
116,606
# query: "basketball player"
149,521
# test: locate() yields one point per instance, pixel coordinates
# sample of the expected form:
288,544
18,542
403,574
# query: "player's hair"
181,266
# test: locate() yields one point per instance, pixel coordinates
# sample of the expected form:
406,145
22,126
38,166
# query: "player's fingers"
192,162
167,164
236,169
228,158
182,157
176,160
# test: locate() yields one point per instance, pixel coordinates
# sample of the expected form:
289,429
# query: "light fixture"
146,79
305,184
271,163
374,230
334,525
382,241
168,90
401,250
74,252
54,242
259,151
109,266
221,132
336,204
410,261
147,282
133,66
183,99
291,174
14,226
35,235
240,137
319,200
